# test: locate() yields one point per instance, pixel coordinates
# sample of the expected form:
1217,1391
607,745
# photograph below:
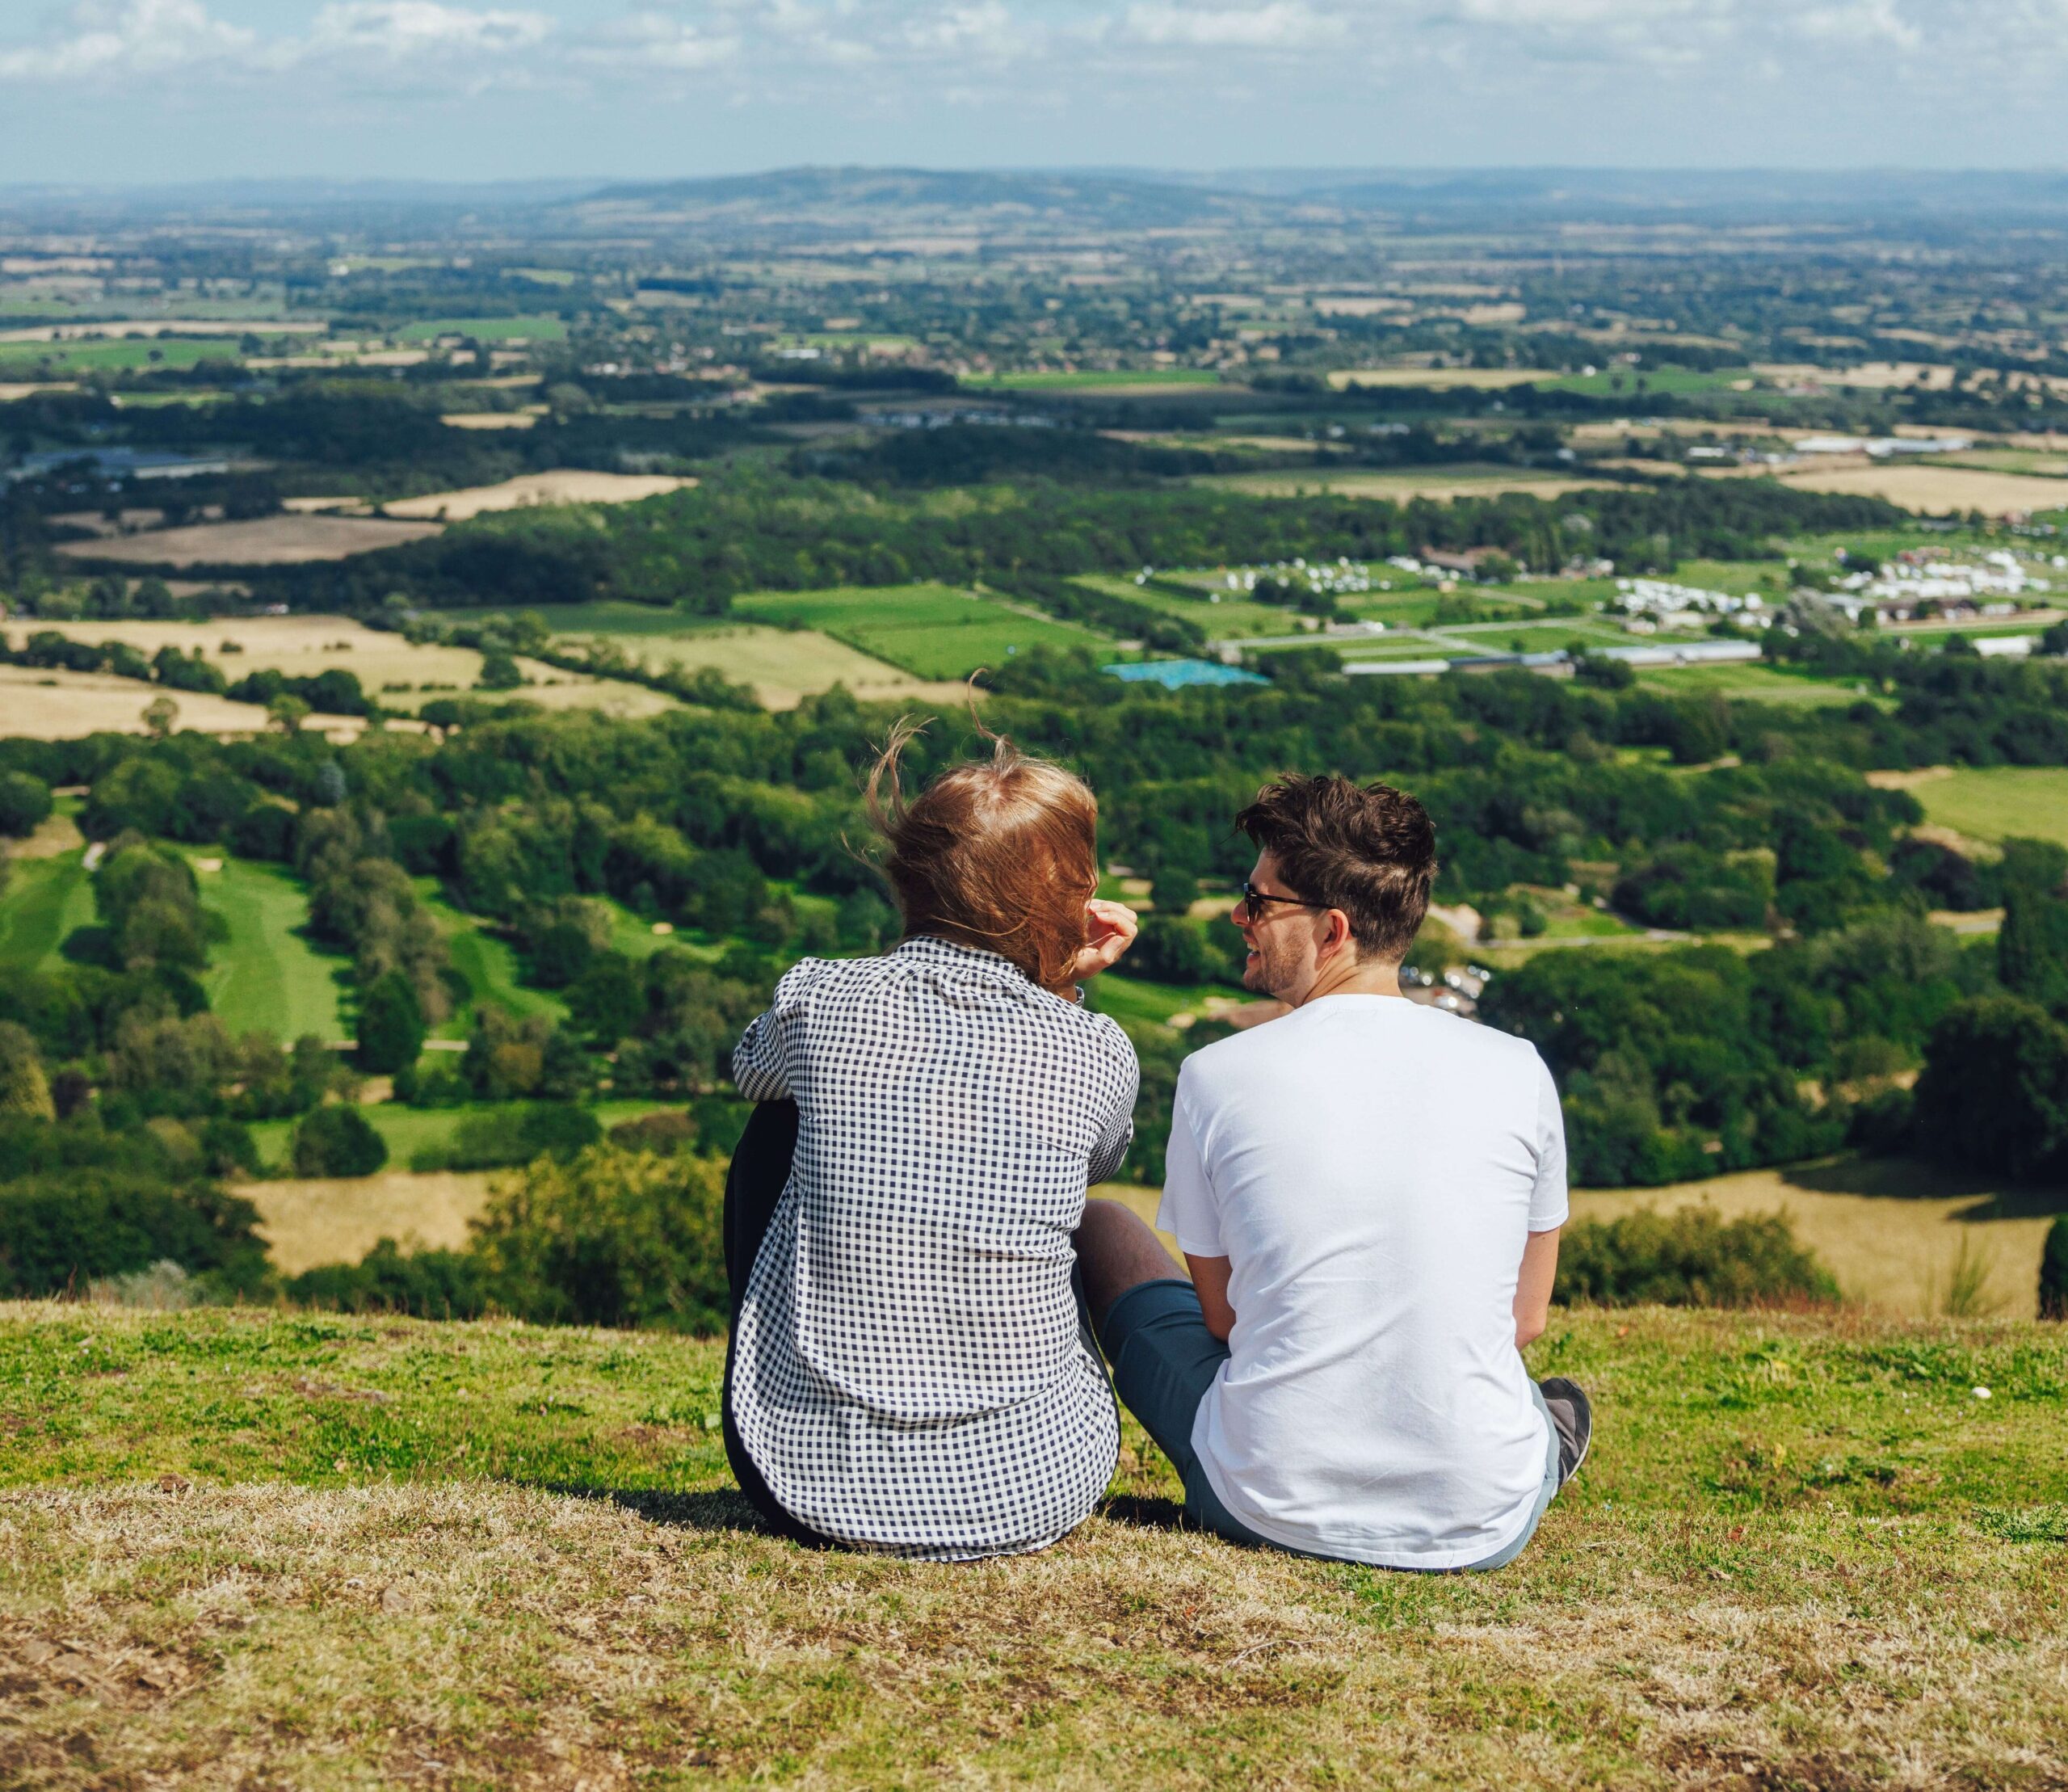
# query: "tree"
499,672
286,713
337,1141
161,717
25,803
23,1089
2054,1271
614,1238
391,1025
1994,1092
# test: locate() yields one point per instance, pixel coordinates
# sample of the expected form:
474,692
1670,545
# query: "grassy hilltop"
261,1548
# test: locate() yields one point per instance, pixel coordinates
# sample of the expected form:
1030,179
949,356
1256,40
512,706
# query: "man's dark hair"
1368,849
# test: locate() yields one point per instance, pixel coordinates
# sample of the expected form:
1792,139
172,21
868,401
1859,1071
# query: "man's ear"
1338,938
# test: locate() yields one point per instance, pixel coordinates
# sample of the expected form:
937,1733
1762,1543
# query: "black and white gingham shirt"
908,1372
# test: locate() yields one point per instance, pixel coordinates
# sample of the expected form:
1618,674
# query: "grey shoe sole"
1572,1414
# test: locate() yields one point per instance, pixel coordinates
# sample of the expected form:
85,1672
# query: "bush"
611,1239
1689,1258
664,1133
24,803
391,1026
65,1231
2054,1271
337,1141
431,1284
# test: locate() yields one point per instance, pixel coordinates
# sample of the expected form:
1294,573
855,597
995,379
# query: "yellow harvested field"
785,666
285,541
564,486
489,419
1482,379
1437,483
1890,1229
1871,376
303,646
40,706
325,1220
12,390
1935,489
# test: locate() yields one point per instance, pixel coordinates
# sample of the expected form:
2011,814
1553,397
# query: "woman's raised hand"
1109,929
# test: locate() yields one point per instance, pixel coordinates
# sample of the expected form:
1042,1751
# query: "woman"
910,1368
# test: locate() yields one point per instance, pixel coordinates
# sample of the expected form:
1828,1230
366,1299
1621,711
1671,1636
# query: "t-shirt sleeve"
1189,1211
1548,1207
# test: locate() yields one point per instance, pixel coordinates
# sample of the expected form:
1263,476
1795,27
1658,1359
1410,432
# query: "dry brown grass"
1438,483
271,1551
564,486
785,666
284,540
1892,1232
1937,488
42,705
303,646
55,836
323,1220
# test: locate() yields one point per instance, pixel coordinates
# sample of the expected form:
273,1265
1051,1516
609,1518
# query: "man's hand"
1109,929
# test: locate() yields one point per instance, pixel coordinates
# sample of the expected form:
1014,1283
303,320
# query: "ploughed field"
250,1547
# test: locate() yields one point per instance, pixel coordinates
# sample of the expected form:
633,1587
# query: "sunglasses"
1253,899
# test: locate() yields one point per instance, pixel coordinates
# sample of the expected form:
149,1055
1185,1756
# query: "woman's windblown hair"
1000,854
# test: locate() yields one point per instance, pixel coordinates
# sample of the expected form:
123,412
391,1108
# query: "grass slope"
246,1548
267,976
44,900
1998,802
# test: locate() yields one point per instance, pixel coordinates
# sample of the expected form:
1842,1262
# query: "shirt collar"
931,946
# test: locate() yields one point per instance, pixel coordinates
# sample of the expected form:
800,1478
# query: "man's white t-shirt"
1370,1169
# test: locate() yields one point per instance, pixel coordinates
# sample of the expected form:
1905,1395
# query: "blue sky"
135,90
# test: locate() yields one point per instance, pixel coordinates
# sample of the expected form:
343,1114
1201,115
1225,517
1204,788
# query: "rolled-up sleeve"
1116,1130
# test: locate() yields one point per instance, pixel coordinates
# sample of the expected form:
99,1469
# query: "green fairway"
44,901
267,976
1997,802
535,328
930,630
485,963
408,1130
1136,999
1756,683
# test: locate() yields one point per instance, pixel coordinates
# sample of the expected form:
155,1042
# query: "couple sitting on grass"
931,1321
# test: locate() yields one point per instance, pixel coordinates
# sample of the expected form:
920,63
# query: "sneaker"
1572,1415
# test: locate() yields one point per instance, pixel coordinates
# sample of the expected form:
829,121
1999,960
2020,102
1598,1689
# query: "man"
1368,1193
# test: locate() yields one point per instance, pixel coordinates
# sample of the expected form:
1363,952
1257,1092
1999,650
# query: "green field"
115,354
929,630
535,328
1225,614
1754,682
267,976
43,902
408,1130
1136,999
1997,802
1536,637
296,1549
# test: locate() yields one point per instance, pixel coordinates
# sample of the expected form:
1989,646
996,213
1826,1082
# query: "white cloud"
398,30
653,39
1862,21
144,37
1276,25
985,30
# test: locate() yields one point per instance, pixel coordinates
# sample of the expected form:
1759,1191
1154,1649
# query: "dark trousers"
754,1184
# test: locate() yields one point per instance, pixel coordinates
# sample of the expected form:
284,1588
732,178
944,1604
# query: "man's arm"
1539,1269
1210,1279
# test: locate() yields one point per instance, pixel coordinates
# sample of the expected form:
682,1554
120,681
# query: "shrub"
24,803
611,1239
1689,1258
337,1141
431,1284
663,1134
2054,1271
65,1231
391,1027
